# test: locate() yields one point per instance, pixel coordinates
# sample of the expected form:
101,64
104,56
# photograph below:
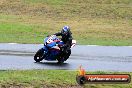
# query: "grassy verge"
49,78
103,22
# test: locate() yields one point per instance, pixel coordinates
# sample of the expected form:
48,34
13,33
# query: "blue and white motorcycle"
51,50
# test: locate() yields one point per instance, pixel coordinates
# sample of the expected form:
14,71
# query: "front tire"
39,56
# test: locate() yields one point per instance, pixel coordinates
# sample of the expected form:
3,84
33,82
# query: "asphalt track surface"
92,58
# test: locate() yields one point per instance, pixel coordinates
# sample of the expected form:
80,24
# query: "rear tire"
39,56
67,55
60,60
64,57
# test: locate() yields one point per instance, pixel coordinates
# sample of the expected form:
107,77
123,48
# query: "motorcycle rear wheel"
60,60
67,54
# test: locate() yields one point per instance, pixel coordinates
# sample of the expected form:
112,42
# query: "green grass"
15,32
49,2
98,22
49,78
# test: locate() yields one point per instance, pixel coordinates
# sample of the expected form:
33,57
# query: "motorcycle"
52,51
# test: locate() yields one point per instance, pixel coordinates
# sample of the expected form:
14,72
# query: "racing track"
92,58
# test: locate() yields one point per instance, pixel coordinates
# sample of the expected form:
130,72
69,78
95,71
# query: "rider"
66,38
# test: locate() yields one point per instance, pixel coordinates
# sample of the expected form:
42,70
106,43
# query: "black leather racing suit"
67,39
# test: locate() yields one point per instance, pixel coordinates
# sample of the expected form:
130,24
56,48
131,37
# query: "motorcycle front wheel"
39,56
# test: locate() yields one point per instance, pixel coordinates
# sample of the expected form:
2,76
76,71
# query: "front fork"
45,51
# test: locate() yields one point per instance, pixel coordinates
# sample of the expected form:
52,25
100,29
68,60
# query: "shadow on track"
54,64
